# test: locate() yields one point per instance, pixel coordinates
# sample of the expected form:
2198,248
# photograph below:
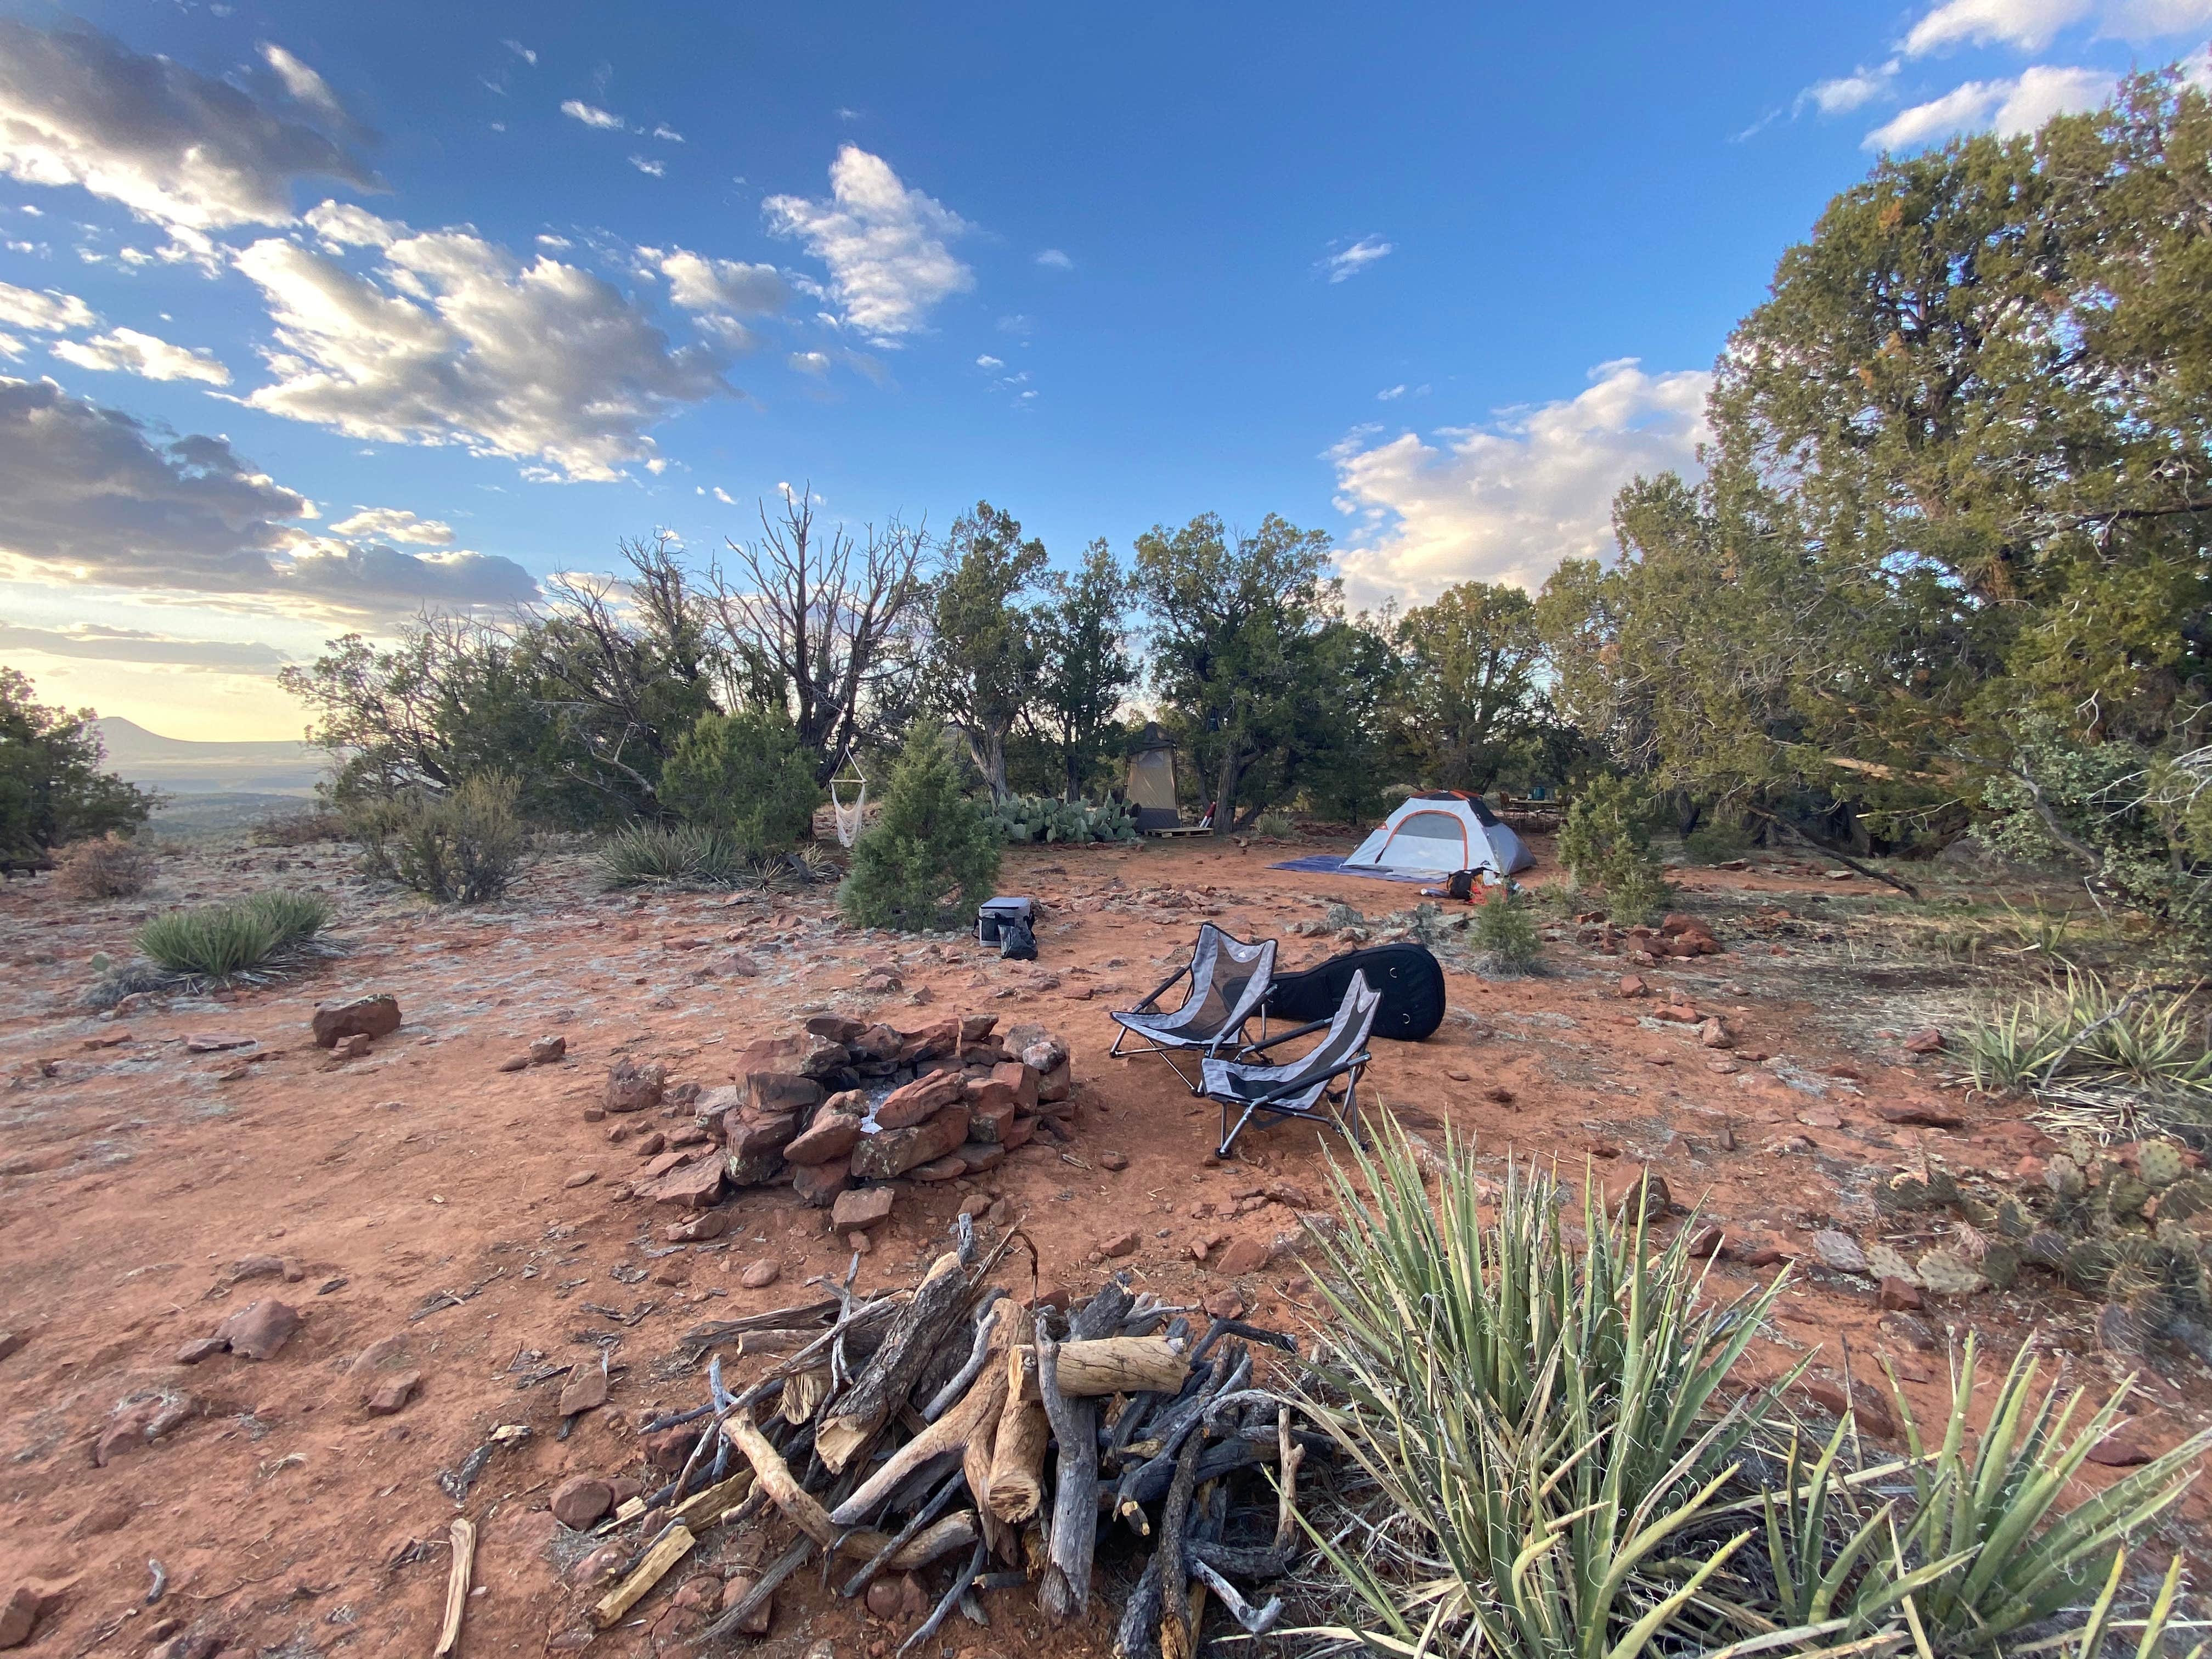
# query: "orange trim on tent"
1467,851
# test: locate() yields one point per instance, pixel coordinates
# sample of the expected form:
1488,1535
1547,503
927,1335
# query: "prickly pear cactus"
2159,1164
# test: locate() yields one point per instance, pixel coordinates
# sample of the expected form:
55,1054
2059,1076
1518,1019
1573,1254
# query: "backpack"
1016,939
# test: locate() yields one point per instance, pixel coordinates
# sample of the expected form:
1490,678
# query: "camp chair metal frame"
1157,1028
1305,1092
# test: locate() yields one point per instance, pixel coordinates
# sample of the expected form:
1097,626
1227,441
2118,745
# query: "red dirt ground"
134,1175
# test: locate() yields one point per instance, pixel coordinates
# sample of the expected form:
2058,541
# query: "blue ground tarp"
1327,863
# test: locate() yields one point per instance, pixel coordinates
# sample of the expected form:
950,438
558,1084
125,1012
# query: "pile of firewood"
947,1421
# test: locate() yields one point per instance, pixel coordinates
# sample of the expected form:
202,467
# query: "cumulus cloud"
816,363
1349,262
699,283
302,84
2008,106
592,116
137,645
988,362
394,524
885,245
96,496
1507,501
1053,259
462,342
126,351
2032,25
49,313
176,147
1848,92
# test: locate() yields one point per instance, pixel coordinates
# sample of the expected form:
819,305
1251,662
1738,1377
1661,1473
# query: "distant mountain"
182,767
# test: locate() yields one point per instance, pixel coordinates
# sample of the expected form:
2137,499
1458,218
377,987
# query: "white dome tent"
1439,833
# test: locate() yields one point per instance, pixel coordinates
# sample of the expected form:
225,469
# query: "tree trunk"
1224,791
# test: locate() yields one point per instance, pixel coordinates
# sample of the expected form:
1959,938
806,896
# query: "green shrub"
1276,826
2085,1044
1543,1408
1024,819
674,855
932,849
1716,843
459,848
1605,841
1504,931
746,775
107,866
218,940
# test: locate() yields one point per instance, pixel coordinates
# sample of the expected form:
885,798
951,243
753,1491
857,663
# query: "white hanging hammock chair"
848,815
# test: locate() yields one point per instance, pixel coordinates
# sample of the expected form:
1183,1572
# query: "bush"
1538,1404
216,941
679,855
1716,843
746,775
1605,841
309,824
459,848
933,847
1022,819
1504,931
110,867
2087,1046
1276,826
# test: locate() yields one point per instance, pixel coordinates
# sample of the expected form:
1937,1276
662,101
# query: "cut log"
1017,1480
908,1346
1065,1593
802,1392
667,1549
464,1536
976,1414
805,1512
1112,1365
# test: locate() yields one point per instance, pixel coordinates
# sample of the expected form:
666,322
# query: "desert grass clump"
221,941
2100,1058
1558,1464
673,855
461,847
1274,826
108,866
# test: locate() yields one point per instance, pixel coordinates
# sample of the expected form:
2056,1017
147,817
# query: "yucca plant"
679,855
216,941
2085,1030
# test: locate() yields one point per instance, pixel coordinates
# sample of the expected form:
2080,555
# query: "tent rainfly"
1441,831
1152,780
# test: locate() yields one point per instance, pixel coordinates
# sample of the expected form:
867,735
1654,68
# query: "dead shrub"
110,867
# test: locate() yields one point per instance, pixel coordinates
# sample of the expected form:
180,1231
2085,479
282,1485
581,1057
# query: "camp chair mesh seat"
1228,981
1299,1088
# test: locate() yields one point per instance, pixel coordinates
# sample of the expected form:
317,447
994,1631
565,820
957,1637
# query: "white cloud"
988,362
100,644
1349,262
1390,394
176,147
1053,259
2009,108
1018,326
49,313
652,169
465,343
95,497
698,284
816,363
10,347
305,86
394,524
724,496
885,245
126,351
522,51
558,244
663,131
1506,502
1848,92
592,116
2028,24
341,224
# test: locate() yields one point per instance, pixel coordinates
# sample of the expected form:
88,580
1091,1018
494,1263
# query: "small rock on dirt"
1116,1162
581,1178
759,1275
1901,1295
547,1050
1240,1256
258,1330
391,1395
585,1390
581,1500
862,1207
19,1616
1119,1245
366,1017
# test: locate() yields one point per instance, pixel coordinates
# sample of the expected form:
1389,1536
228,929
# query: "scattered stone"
10,1343
200,1348
258,1330
1707,1242
1227,1305
364,1017
580,1501
1499,1096
1115,1162
760,1274
634,1088
391,1395
1633,985
1921,1116
356,1046
696,1185
1456,1075
1899,1296
206,1043
140,1421
756,1622
1838,1252
1241,1256
859,1243
1622,1189
2118,1450
547,1050
862,1207
698,1228
1821,1117
581,1178
515,1063
1714,1035
1865,1404
1119,1245
585,1390
19,1616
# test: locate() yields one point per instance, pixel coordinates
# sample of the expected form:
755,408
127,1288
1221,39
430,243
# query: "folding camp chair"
1228,979
1299,1088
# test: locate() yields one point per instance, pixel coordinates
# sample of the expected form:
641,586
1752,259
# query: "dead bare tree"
817,619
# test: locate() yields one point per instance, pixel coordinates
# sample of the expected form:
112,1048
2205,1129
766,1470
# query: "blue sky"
340,310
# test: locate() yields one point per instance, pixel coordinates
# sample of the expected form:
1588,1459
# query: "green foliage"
1505,934
107,866
216,941
1022,819
1716,843
932,854
673,855
1277,826
986,647
51,788
1606,840
458,848
2087,1043
1088,667
1543,1418
746,775
1467,698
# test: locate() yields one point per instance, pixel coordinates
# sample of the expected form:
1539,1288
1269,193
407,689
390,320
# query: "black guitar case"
1411,980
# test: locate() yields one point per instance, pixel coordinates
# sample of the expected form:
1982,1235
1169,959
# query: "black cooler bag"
1411,980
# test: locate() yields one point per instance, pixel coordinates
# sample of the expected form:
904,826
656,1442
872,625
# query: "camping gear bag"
1410,980
993,913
